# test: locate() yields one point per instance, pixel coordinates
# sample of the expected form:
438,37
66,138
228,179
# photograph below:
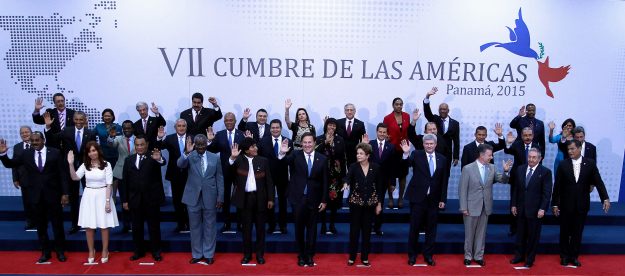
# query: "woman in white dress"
96,210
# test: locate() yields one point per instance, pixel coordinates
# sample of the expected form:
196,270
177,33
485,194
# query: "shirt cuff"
426,101
405,155
230,161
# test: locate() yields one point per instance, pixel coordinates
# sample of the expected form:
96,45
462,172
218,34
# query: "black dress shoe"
225,228
516,260
350,262
310,262
270,230
136,256
333,229
44,258
260,260
245,260
283,231
529,264
412,260
481,262
195,260
210,260
301,261
467,262
429,261
379,232
125,229
73,230
324,230
576,262
29,226
366,262
157,257
564,261
61,256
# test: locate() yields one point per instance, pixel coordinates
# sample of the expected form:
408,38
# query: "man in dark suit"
520,150
530,200
269,148
427,193
72,138
430,128
527,118
198,117
446,126
258,129
175,145
46,182
62,116
20,175
470,152
148,125
382,152
143,196
307,192
352,130
571,199
588,149
253,195
222,143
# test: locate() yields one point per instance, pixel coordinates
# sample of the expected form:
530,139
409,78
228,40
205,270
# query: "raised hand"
188,146
326,118
112,132
161,132
416,114
405,145
522,111
248,134
345,187
3,146
499,129
154,109
431,92
156,155
70,157
329,137
234,153
246,113
284,148
210,134
213,101
288,104
47,118
552,125
38,104
365,138
507,165
510,137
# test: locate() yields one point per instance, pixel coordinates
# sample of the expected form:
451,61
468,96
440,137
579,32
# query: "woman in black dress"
300,126
332,146
361,180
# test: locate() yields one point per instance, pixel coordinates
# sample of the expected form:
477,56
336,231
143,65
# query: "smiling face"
530,111
181,127
350,111
79,120
36,141
382,133
301,115
229,121
480,135
308,144
252,151
25,134
143,111
261,117
275,129
107,117
196,104
141,146
486,156
398,106
429,146
93,153
59,102
443,110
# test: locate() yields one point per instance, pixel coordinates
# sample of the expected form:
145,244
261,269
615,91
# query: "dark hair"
327,122
127,122
197,95
261,110
307,117
529,104
275,121
480,128
425,128
246,144
87,160
39,133
398,98
365,147
141,136
577,144
569,120
57,95
579,129
308,134
109,111
381,125
484,147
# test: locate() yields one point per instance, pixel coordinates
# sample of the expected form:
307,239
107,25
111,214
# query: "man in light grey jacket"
203,195
476,201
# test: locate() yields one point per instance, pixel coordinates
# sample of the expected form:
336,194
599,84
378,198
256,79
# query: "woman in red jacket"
397,122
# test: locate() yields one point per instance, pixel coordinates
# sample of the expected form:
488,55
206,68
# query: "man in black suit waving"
527,119
571,199
446,126
198,117
20,176
529,202
427,193
62,116
307,192
259,129
352,130
175,145
470,152
72,138
46,182
143,195
148,125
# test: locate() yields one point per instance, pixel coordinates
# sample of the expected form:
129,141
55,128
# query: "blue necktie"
528,177
431,165
78,141
230,139
181,144
527,149
275,147
309,169
485,174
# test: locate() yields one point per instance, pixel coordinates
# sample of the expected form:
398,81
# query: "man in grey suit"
203,194
476,201
125,146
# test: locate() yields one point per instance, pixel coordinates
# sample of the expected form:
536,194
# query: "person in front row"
204,195
476,201
253,195
143,196
362,181
307,193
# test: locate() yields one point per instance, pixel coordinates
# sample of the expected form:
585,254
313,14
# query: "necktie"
128,144
528,177
431,165
531,125
194,116
62,120
181,144
261,131
202,164
39,162
230,138
349,128
27,146
140,161
485,174
276,148
527,149
78,140
145,126
380,150
444,126
309,170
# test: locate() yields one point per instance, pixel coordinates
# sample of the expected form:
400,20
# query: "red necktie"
349,128
380,149
128,144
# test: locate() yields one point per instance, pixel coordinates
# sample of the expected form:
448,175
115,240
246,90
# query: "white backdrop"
110,54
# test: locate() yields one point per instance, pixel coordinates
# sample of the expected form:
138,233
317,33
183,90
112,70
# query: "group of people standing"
252,165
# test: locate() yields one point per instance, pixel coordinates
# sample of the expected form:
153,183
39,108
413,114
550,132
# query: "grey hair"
527,128
429,137
536,151
140,104
181,120
25,126
348,104
579,129
200,139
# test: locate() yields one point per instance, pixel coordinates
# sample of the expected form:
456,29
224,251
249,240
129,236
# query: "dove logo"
519,45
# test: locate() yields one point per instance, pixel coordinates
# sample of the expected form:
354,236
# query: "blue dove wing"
484,46
512,34
521,31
